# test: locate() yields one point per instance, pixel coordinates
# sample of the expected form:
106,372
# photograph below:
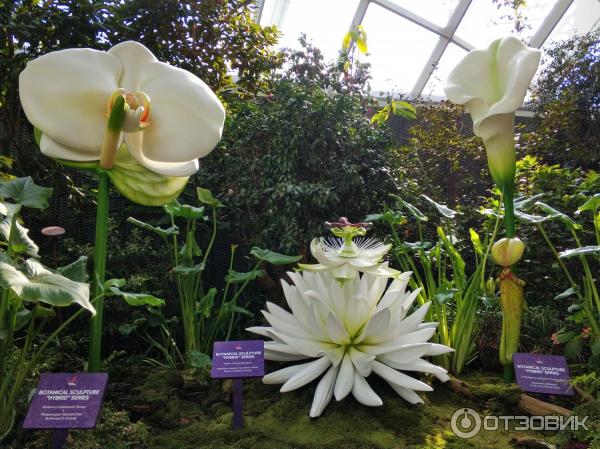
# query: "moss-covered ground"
170,410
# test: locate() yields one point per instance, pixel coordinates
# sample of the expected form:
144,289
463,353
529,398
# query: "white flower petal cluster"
347,331
345,260
492,83
173,117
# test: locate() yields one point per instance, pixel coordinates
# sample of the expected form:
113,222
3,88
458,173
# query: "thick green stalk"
99,270
508,192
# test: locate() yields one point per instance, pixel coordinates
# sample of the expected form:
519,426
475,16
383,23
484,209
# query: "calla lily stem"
99,269
508,193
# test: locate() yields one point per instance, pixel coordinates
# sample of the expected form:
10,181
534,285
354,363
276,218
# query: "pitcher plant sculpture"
492,84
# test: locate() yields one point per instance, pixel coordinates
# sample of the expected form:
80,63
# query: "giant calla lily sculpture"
134,120
492,84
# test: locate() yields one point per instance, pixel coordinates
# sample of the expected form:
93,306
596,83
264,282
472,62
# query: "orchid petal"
65,94
187,117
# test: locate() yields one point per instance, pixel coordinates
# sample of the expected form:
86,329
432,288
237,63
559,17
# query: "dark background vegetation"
298,146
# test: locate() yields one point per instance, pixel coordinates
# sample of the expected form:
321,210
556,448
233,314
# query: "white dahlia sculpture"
348,330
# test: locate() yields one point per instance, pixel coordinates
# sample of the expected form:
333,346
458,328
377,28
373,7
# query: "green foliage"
442,158
27,289
566,102
440,272
207,313
296,157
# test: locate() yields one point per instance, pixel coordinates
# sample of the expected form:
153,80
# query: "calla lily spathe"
492,83
347,332
173,118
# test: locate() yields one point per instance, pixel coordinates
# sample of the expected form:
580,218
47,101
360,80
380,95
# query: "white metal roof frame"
446,34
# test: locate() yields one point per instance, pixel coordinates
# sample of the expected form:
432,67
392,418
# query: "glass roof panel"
398,50
434,88
436,11
583,16
324,22
485,22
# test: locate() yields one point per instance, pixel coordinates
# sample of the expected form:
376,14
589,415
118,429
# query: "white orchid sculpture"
492,83
139,122
344,257
87,102
348,331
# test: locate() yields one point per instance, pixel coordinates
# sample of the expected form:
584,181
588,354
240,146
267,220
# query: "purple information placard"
238,359
66,401
538,373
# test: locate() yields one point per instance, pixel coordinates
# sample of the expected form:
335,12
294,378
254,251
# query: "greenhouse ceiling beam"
359,14
556,13
415,18
440,47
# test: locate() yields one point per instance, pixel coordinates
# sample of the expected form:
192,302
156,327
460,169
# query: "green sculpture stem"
99,270
508,193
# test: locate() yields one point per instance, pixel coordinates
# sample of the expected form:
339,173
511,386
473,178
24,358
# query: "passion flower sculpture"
347,331
344,256
132,119
492,84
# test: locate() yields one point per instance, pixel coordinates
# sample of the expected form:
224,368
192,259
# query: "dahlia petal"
398,378
303,346
363,392
408,353
283,375
407,394
310,372
363,362
437,349
323,393
336,330
345,379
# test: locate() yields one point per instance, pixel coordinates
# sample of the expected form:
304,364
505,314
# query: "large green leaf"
162,232
25,192
38,284
558,215
420,216
199,360
175,209
186,271
76,271
9,209
234,277
529,218
21,243
206,197
568,292
138,299
583,251
445,211
592,204
272,257
525,202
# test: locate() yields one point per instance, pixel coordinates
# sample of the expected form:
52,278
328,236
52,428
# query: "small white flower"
492,83
345,258
348,331
172,117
